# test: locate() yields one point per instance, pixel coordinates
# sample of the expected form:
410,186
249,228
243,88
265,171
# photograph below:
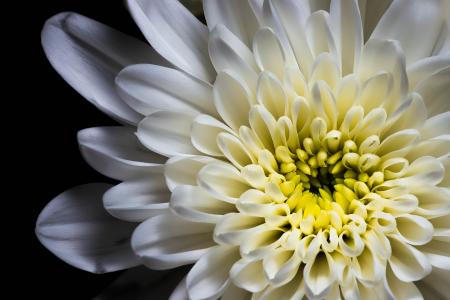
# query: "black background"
54,114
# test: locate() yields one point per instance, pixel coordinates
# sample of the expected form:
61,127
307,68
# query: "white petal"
398,144
319,276
376,90
167,241
423,68
295,289
435,126
138,199
182,170
435,90
180,292
268,52
414,230
117,153
387,56
415,24
281,266
235,227
236,15
75,227
261,242
319,35
438,253
232,99
232,292
263,125
348,33
436,285
325,68
204,132
149,88
248,275
222,181
293,16
408,263
368,267
167,133
208,278
424,171
228,52
234,150
433,202
270,93
88,55
187,35
194,204
400,290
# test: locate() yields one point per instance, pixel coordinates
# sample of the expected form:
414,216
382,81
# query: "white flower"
308,146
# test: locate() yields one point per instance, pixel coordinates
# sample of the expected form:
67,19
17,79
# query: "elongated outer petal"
138,199
408,263
117,153
175,33
167,241
348,32
415,24
248,275
194,204
425,67
88,55
148,88
208,278
400,290
435,285
228,52
435,90
76,228
167,133
236,15
382,55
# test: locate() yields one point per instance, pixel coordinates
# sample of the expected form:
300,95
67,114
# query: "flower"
308,151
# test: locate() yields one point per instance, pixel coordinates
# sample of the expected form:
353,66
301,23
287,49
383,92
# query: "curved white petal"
423,68
167,241
204,132
248,275
228,52
222,181
232,99
208,278
149,88
434,90
138,199
401,290
88,55
117,153
408,263
183,170
234,150
319,276
346,22
232,292
180,292
75,227
270,93
414,230
416,24
236,15
268,52
435,285
187,35
167,133
234,227
435,126
194,204
381,55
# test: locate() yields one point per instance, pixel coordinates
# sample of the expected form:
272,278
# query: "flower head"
308,147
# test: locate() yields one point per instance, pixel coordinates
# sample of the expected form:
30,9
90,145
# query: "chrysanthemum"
288,149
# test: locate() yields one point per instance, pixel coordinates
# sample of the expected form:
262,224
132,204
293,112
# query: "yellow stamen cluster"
322,182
